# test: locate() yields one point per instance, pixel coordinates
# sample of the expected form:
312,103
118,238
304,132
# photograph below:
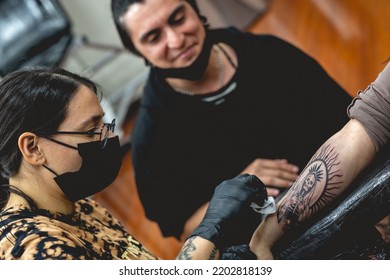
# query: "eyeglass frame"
110,127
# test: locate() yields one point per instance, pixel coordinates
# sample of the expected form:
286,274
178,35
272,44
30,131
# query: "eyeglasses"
103,134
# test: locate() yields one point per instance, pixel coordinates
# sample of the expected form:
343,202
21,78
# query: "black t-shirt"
279,104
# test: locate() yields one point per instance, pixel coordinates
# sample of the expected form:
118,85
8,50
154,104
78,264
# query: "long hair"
33,100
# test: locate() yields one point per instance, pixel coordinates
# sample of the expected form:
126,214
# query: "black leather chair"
32,32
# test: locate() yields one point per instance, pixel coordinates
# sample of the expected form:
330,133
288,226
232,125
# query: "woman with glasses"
55,152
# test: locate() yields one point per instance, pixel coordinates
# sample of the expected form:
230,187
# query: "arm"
330,171
193,221
335,165
198,248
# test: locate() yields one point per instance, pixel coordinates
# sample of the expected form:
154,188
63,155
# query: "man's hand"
273,173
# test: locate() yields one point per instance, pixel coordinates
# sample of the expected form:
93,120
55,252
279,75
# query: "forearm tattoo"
213,254
313,190
189,248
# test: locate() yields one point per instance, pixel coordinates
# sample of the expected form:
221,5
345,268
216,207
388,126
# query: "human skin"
335,165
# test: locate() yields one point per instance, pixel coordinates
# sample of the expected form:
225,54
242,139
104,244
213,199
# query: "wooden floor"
351,40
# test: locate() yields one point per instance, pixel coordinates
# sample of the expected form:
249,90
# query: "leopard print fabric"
89,234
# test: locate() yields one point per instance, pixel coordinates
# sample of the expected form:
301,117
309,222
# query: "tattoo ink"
213,254
313,189
188,248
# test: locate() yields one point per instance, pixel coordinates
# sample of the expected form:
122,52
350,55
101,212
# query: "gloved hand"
228,207
240,252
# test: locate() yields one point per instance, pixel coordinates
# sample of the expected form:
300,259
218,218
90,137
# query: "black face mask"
196,70
99,169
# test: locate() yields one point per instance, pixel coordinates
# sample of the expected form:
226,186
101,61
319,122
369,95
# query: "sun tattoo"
313,189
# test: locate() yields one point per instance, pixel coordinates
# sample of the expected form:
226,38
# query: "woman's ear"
29,147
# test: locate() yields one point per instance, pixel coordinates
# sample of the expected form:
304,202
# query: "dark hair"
120,7
33,100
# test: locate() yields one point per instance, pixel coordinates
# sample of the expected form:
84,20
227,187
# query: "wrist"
264,236
209,231
198,248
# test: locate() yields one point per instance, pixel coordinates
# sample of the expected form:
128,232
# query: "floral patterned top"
90,233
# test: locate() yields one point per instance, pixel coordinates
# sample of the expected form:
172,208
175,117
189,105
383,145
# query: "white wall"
92,17
119,77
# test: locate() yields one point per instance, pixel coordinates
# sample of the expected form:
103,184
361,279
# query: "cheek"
68,161
152,53
74,162
195,27
156,53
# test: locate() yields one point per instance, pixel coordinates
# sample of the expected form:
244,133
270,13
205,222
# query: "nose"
175,38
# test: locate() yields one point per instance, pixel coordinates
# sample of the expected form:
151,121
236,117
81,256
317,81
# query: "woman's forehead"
83,106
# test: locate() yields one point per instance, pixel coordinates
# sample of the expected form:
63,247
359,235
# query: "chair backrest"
32,32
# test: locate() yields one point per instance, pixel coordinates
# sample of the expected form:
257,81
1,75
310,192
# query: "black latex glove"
240,252
228,207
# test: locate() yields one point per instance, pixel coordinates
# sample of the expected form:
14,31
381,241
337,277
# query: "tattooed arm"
198,248
330,171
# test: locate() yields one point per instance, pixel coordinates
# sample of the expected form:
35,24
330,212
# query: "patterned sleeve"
372,109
